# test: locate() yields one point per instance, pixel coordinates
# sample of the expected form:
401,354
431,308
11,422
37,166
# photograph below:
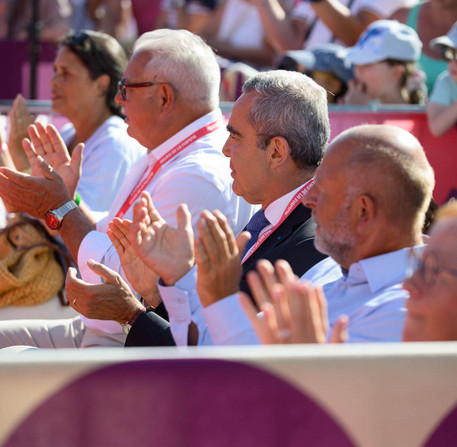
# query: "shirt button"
181,300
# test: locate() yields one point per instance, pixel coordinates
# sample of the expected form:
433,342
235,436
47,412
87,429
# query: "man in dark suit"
279,130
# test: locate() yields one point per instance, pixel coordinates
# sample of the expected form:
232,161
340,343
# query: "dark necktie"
255,225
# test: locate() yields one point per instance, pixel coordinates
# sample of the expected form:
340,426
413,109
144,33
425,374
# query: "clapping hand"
293,311
140,276
165,250
20,118
47,143
218,257
111,300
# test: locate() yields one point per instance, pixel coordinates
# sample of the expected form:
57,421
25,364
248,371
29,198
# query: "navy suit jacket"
293,241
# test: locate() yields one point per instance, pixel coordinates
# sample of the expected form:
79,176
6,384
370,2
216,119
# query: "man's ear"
278,151
103,82
365,211
167,97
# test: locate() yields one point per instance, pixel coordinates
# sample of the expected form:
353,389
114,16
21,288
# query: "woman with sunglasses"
442,107
87,69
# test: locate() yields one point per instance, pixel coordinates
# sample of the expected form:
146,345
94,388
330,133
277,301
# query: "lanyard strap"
294,202
146,177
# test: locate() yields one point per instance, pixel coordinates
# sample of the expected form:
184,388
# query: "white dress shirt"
109,153
370,294
198,176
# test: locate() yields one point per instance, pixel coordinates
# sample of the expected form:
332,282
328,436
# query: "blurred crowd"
388,63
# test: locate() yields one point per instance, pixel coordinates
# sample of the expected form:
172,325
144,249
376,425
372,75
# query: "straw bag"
30,273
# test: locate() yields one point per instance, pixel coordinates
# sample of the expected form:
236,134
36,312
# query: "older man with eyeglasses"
432,287
169,96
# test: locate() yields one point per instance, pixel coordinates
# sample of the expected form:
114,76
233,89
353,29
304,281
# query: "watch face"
51,221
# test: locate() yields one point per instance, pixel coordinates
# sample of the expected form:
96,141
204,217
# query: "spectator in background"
87,69
105,14
146,14
385,65
238,34
430,19
325,65
192,15
55,19
314,22
442,107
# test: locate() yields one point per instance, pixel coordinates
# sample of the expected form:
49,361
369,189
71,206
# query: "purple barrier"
370,395
15,75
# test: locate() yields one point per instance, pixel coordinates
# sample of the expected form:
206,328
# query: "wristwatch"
53,218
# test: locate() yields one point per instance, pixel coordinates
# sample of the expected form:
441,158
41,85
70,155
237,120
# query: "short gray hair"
185,61
293,106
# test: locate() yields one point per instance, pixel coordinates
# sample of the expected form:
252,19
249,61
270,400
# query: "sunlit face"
73,92
432,304
378,79
140,108
249,163
331,208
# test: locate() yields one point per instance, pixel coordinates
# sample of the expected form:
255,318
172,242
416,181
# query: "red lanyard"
141,184
294,202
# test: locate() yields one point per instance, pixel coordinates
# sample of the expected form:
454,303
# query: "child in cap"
442,107
385,59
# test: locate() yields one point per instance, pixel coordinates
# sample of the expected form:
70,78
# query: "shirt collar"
381,271
157,153
275,210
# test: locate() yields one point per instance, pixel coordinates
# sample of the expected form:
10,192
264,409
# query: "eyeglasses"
427,266
123,85
449,54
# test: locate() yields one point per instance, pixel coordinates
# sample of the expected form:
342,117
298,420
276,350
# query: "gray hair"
293,106
185,61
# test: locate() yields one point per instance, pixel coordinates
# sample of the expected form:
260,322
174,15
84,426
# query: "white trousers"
55,334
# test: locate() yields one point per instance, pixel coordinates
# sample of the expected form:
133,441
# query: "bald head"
388,163
370,193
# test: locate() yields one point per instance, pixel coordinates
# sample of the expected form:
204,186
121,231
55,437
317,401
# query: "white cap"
449,40
385,39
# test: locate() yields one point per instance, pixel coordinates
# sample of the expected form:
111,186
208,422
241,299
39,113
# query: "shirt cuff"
177,300
94,246
228,324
